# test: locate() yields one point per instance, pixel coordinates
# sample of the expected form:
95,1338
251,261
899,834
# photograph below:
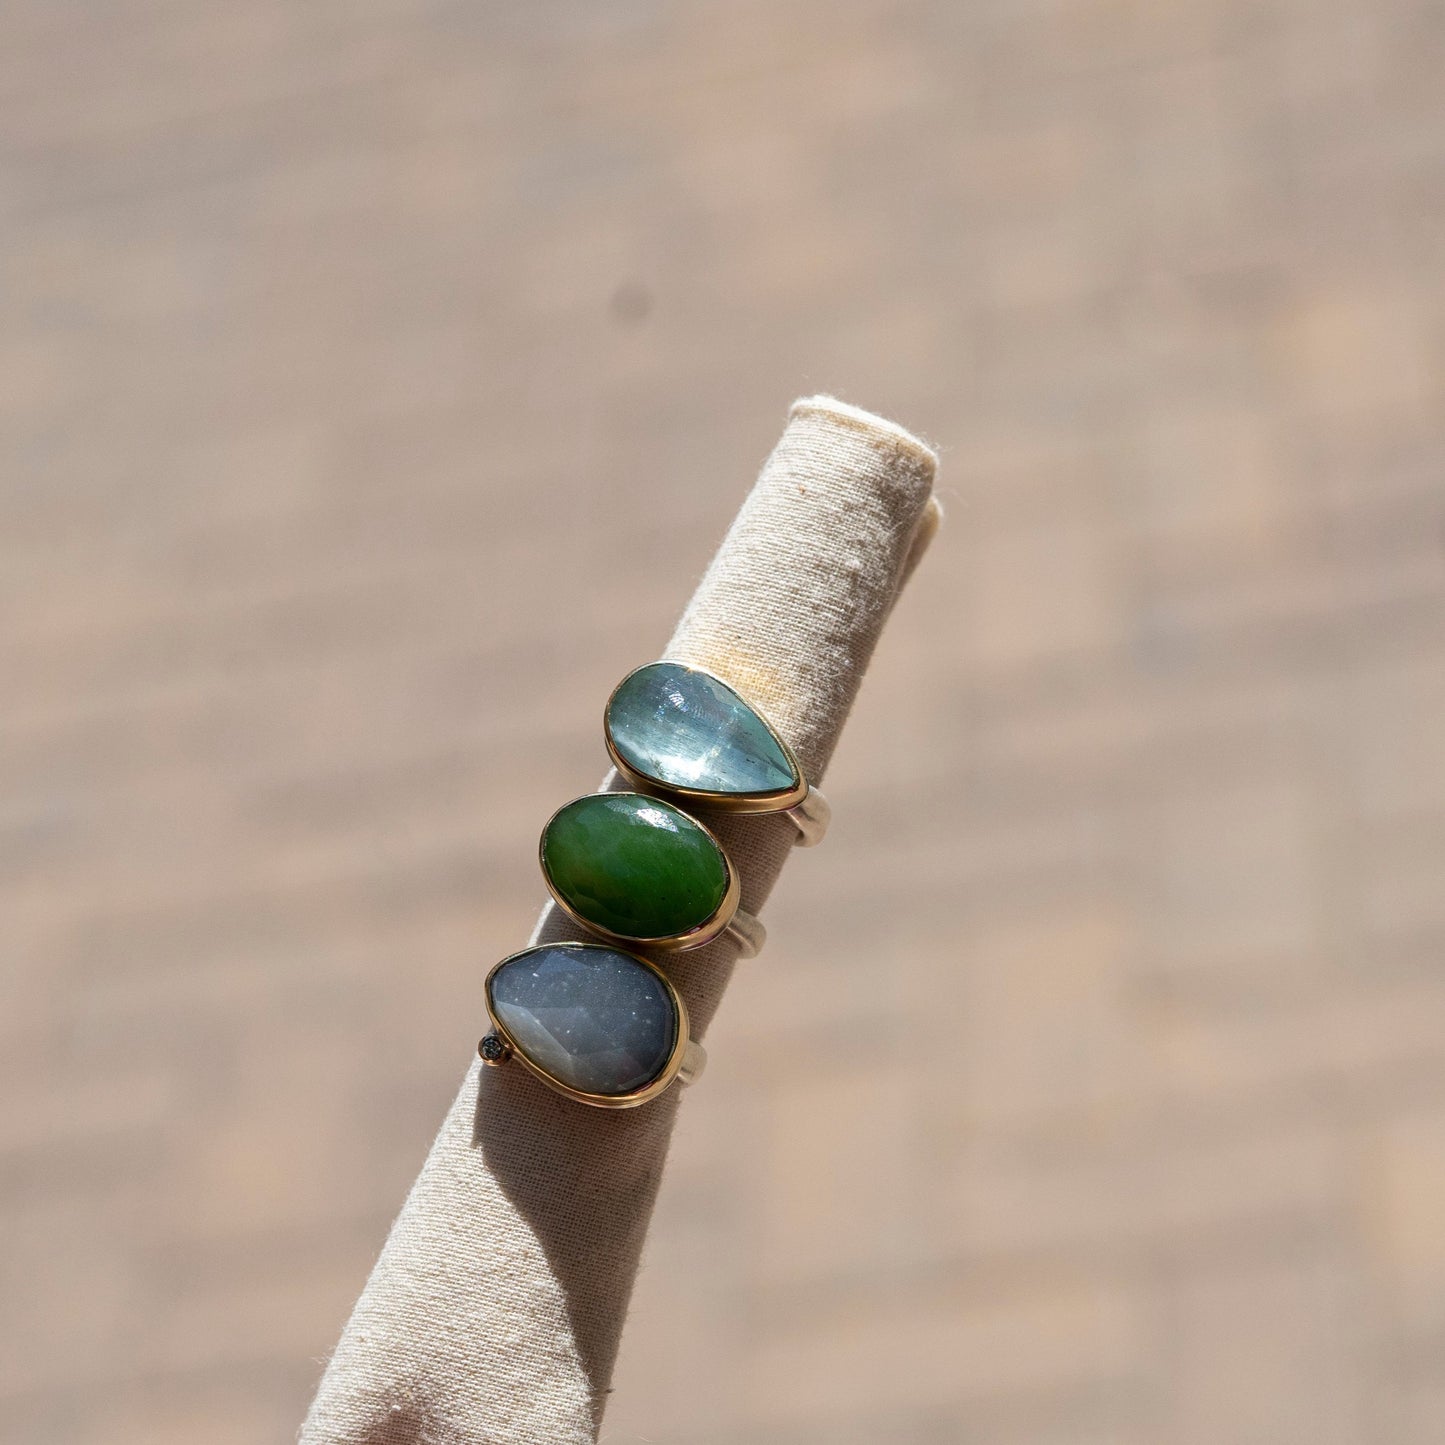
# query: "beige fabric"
495,1309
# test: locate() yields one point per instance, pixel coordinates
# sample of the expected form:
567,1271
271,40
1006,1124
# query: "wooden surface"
375,380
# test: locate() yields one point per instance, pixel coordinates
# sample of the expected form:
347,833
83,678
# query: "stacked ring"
595,1021
602,1026
636,869
683,731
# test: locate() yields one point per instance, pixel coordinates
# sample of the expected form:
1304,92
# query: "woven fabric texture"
496,1307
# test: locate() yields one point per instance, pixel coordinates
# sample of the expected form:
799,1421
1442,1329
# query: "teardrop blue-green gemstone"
681,728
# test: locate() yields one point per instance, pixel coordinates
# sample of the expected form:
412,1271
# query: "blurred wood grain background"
375,380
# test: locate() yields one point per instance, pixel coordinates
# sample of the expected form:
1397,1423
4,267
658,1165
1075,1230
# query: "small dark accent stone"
493,1049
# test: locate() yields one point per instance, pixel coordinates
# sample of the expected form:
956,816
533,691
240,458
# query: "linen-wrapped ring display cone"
495,1310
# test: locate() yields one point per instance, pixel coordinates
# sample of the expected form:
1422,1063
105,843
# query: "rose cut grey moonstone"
591,1016
681,728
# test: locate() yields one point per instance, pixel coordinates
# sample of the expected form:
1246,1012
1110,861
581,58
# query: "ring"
684,731
635,869
593,1022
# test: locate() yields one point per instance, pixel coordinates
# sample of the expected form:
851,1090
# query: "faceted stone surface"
683,729
591,1016
634,865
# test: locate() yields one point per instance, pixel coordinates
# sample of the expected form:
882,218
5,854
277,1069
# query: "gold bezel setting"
776,801
712,927
511,1049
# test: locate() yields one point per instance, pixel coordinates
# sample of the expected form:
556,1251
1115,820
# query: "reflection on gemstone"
593,1017
681,728
634,866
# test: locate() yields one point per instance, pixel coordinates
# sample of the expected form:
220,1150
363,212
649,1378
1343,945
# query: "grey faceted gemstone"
680,728
590,1016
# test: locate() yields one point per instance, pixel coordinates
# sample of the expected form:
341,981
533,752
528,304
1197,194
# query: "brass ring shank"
694,1061
748,933
811,818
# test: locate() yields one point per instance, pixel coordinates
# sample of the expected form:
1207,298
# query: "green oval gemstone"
634,866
